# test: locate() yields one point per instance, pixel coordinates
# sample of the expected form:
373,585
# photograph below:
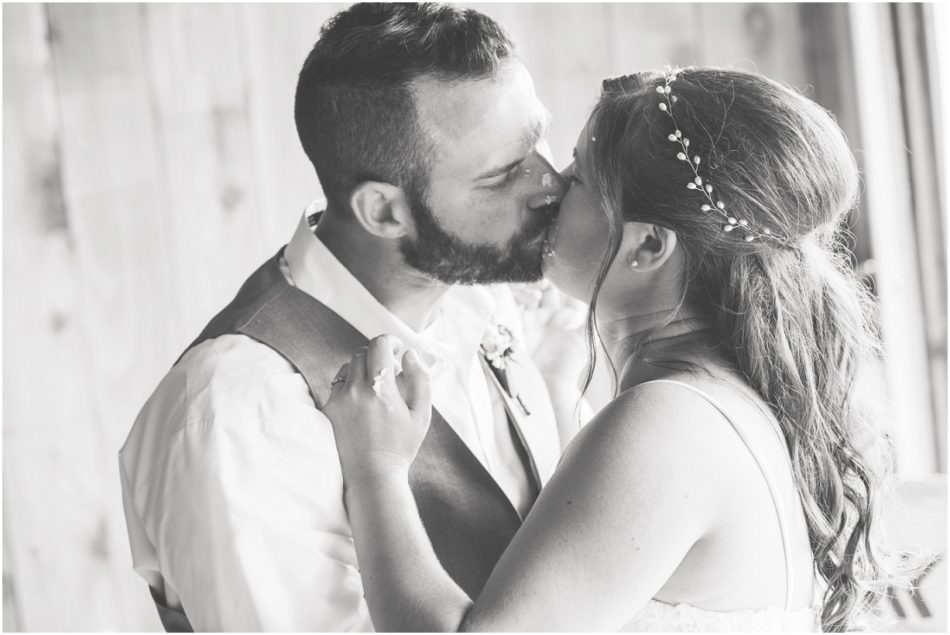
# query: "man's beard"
448,258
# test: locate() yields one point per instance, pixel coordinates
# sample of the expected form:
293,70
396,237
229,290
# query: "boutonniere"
498,349
496,346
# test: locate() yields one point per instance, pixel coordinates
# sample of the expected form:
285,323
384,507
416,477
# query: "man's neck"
377,264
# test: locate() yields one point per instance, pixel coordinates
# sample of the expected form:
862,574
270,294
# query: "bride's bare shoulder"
671,406
657,426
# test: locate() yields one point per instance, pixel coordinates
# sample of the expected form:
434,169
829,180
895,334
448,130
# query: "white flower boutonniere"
496,346
498,350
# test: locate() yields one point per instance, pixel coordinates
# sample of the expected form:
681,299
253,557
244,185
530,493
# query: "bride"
729,484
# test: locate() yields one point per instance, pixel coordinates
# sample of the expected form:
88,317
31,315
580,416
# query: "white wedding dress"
658,616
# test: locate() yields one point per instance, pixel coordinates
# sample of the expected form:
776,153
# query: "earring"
633,264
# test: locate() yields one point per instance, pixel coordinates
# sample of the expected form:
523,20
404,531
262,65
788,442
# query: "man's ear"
645,246
381,209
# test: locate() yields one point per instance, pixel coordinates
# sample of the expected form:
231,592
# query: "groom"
427,137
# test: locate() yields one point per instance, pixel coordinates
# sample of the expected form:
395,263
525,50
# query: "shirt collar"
452,339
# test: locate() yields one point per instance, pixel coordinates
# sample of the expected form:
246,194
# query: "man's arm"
246,512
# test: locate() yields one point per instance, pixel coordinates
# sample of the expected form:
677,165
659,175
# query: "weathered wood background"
150,162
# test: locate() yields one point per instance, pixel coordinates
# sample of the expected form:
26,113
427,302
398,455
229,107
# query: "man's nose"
552,184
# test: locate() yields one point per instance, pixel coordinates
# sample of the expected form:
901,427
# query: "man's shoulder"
233,375
229,356
230,385
235,364
227,380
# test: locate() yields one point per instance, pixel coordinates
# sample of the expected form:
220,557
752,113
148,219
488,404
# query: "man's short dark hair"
354,107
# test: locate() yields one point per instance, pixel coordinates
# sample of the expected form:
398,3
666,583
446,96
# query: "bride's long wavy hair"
791,314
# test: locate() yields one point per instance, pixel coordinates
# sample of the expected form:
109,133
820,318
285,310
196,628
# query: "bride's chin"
555,274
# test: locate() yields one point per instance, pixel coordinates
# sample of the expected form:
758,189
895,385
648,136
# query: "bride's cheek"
581,245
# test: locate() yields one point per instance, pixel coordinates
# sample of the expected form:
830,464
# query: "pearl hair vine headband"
733,224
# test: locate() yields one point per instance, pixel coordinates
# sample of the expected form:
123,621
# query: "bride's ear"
645,246
381,209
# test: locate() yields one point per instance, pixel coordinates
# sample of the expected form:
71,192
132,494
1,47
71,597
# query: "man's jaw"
519,260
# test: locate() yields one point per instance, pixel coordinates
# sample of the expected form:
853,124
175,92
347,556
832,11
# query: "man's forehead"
502,106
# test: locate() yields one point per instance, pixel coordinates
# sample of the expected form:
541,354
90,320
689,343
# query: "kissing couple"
360,439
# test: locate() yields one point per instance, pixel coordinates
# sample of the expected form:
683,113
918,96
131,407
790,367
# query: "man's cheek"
494,221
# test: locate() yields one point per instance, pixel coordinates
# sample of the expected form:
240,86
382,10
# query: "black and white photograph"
501,316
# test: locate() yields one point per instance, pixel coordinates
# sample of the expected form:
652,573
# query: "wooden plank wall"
150,161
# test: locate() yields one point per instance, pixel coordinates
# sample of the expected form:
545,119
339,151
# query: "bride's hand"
379,420
550,316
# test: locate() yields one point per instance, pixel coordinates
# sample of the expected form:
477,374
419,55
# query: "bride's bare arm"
379,424
627,503
406,588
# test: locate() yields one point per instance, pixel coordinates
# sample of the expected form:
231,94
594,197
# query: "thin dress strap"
753,448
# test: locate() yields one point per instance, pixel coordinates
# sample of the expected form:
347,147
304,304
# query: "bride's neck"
670,334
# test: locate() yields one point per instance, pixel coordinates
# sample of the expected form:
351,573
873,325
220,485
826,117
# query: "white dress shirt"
231,482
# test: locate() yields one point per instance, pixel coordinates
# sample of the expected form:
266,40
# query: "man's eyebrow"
530,138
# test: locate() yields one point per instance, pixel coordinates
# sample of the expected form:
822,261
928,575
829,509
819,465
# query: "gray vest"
468,517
